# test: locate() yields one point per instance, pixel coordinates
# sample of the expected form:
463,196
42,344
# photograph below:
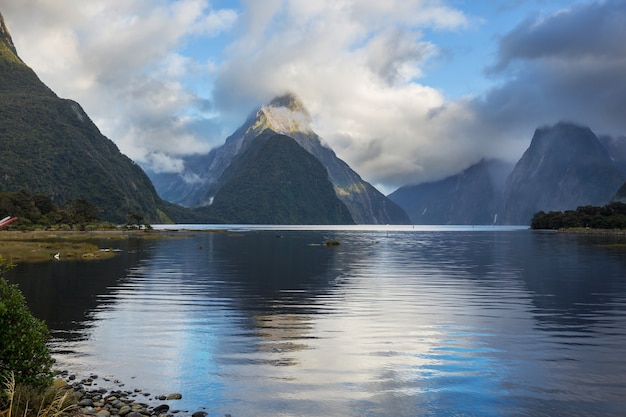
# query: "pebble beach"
97,401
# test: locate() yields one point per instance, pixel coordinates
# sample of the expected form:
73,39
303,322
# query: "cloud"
358,65
594,30
568,65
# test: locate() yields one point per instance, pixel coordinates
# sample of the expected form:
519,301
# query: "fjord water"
400,322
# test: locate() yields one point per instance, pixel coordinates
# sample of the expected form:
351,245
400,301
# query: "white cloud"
356,66
354,63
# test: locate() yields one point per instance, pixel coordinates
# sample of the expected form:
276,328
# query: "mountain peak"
284,114
563,133
6,40
565,166
289,101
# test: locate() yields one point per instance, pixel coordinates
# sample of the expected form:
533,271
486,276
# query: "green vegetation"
610,216
36,211
38,246
276,181
23,349
50,147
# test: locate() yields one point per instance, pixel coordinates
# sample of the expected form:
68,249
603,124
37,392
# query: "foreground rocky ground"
96,401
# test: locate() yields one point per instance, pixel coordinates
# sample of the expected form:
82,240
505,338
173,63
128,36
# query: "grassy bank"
40,246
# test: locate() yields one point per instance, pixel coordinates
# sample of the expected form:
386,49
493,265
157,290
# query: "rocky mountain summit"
198,185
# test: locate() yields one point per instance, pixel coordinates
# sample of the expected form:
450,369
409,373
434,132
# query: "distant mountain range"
201,184
470,197
564,167
275,169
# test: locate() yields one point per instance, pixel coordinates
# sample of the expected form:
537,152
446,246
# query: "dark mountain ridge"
564,167
274,181
49,146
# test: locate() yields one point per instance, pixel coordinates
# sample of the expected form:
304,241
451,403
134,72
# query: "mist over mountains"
565,166
473,196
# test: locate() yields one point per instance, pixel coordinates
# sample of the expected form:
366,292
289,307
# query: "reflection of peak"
286,114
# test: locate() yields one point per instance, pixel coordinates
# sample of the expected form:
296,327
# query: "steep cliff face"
470,197
285,115
616,148
50,146
564,167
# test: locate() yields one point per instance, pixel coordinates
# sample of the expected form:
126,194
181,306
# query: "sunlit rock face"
198,184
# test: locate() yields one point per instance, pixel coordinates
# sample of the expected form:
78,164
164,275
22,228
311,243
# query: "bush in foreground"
23,349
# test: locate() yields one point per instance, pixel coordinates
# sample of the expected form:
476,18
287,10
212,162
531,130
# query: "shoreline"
591,231
93,399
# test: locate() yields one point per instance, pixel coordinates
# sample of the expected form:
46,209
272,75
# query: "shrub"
23,338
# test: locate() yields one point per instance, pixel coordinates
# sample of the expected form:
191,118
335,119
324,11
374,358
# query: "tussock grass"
38,246
23,401
22,249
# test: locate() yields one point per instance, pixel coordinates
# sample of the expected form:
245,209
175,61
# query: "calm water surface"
400,322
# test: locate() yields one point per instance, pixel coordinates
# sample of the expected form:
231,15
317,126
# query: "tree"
81,211
23,338
610,216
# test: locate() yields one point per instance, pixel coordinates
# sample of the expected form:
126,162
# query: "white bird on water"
57,256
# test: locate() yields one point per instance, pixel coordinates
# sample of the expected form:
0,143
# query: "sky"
404,91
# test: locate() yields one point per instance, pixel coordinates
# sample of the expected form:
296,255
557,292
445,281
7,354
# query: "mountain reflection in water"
397,322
